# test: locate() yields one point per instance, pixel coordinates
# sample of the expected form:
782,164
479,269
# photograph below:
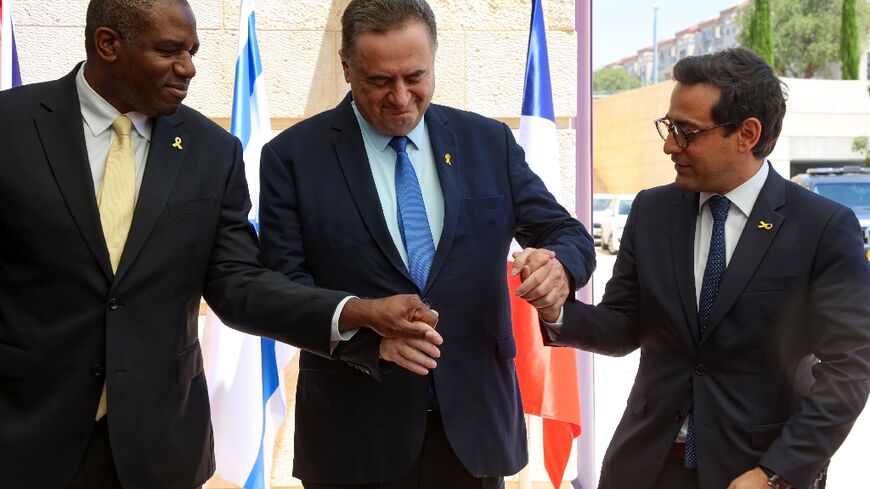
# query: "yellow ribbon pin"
447,159
765,225
177,143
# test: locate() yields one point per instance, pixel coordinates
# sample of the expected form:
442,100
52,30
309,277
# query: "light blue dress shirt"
382,160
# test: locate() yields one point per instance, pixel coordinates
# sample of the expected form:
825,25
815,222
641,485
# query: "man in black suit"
746,294
338,211
101,382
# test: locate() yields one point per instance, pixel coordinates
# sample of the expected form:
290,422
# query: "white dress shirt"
97,118
742,201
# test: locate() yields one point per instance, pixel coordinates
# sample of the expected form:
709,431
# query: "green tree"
806,34
613,79
759,38
862,145
849,55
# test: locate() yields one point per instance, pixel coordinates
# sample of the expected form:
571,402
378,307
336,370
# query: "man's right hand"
414,354
392,317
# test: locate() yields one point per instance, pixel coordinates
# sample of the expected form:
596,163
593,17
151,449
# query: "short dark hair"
126,17
748,88
382,16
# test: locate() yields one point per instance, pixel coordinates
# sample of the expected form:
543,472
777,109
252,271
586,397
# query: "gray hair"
381,16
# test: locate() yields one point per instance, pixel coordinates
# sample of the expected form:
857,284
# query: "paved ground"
614,377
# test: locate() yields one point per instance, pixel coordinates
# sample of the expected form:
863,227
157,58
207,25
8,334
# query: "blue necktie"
411,213
709,288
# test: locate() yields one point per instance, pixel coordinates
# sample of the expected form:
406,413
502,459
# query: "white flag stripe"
245,425
540,142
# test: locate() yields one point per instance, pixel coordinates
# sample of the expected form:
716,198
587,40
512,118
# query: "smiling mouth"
179,91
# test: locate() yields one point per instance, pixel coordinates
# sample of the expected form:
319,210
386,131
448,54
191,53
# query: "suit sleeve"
542,223
612,327
250,298
284,250
840,336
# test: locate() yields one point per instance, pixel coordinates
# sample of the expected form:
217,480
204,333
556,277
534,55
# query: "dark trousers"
674,476
437,467
97,468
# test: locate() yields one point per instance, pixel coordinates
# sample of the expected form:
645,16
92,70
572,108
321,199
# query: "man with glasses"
746,294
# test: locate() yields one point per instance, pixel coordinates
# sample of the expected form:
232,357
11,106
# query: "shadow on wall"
327,83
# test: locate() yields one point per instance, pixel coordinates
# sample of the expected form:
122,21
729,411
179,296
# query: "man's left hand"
545,282
753,479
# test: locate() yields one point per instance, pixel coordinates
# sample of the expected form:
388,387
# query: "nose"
184,67
400,95
670,146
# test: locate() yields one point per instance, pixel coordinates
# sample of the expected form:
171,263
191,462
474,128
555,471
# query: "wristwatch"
775,480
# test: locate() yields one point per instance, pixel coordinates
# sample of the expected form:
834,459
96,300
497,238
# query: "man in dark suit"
338,211
746,294
101,382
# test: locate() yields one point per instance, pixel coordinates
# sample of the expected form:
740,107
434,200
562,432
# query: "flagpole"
525,475
587,472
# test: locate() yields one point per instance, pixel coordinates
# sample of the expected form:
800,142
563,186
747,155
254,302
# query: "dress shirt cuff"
336,336
554,329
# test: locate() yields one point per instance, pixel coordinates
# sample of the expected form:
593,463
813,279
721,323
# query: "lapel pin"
767,226
447,159
177,143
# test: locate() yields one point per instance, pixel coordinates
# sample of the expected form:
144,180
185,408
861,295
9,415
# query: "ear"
748,133
345,67
107,44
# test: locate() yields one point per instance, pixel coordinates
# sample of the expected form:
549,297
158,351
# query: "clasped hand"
545,283
407,327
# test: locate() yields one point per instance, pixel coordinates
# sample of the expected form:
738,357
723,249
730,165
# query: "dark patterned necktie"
709,288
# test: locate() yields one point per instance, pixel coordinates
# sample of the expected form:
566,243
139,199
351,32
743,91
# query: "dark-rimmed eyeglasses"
682,136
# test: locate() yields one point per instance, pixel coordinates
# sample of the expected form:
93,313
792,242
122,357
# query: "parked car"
849,185
600,202
614,221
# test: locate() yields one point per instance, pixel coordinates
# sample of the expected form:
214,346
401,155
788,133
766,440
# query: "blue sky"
621,27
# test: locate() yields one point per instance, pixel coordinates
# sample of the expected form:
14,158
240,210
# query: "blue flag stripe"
537,93
248,69
269,364
16,73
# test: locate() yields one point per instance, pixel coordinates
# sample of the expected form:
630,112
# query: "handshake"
407,325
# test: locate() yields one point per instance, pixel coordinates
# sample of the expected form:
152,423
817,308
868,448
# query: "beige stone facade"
479,67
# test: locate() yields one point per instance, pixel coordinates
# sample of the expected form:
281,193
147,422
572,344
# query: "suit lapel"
751,248
685,213
161,168
444,143
60,130
351,153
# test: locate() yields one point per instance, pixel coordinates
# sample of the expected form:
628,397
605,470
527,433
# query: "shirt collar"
100,114
745,195
381,141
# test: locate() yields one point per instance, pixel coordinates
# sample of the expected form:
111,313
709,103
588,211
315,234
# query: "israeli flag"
538,123
10,75
244,372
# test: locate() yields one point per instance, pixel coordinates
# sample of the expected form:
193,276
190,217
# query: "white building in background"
702,38
705,37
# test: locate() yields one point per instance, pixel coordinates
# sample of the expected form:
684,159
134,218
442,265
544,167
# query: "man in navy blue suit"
389,194
746,294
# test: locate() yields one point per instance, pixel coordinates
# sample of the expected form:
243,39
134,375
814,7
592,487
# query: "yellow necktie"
116,200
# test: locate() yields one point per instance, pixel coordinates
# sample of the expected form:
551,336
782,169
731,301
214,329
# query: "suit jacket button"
700,369
114,304
678,417
97,370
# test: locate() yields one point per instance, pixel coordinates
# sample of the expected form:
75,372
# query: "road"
614,377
